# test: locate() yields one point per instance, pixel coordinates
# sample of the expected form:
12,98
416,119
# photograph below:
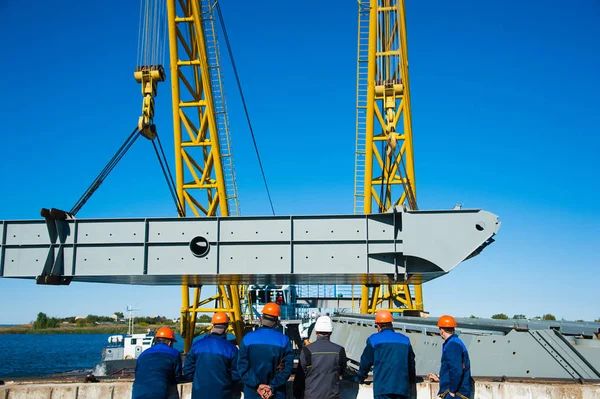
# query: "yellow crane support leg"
384,167
201,136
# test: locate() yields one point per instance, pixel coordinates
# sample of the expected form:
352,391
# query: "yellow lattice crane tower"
384,164
205,182
205,179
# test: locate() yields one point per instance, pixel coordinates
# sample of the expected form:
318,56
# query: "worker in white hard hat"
321,366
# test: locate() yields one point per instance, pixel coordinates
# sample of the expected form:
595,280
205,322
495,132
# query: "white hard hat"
324,324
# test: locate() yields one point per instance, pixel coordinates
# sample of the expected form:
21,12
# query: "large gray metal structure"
521,349
400,246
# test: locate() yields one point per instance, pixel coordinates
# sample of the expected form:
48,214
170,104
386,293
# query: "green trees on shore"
502,316
44,322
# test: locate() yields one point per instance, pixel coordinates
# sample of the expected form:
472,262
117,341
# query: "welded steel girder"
511,348
399,246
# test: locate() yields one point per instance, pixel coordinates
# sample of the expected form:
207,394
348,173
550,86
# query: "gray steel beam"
543,353
401,246
590,330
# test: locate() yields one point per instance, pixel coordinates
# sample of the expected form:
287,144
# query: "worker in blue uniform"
455,371
392,356
265,358
211,363
158,369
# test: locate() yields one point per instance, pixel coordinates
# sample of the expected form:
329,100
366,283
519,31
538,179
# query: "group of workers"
263,363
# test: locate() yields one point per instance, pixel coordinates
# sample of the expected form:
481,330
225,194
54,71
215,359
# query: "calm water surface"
25,355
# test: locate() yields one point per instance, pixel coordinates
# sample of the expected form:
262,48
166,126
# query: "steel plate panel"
246,230
254,259
381,227
334,229
24,263
181,231
169,260
105,232
27,234
332,259
120,261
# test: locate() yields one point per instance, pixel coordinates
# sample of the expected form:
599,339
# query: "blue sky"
505,118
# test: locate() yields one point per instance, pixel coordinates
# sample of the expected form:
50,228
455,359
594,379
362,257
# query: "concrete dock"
483,389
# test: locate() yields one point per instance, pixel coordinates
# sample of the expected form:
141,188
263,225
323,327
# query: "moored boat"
120,355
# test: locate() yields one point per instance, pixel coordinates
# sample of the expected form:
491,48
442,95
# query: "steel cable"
105,172
178,201
237,78
151,33
164,165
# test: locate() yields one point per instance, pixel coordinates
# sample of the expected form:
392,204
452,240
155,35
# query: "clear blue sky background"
505,118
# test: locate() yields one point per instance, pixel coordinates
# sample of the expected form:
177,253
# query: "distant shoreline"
73,329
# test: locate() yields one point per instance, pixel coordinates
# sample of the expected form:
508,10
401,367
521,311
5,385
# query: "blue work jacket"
157,371
265,357
212,365
455,372
393,360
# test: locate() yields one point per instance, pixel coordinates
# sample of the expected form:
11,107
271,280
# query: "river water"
26,355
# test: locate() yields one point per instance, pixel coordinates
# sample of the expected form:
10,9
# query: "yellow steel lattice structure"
204,167
384,164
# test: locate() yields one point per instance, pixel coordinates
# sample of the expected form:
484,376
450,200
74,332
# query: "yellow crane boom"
384,163
205,178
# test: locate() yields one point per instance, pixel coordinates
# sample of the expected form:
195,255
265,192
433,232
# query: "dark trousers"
390,396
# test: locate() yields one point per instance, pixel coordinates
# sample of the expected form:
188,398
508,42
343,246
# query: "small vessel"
120,355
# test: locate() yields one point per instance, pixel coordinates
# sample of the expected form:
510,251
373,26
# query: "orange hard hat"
220,318
446,321
272,309
167,333
383,316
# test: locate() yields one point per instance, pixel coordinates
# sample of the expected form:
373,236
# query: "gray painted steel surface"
413,246
540,353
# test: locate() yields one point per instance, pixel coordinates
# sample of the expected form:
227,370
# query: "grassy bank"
73,329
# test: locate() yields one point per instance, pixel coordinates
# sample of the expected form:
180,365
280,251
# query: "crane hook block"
148,76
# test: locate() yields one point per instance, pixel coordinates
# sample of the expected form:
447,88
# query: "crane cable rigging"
105,172
162,159
150,57
164,165
237,78
152,28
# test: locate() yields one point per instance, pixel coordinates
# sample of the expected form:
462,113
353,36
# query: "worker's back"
265,357
212,364
393,360
321,365
157,371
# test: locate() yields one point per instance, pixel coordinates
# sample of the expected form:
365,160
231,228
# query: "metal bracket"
58,230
